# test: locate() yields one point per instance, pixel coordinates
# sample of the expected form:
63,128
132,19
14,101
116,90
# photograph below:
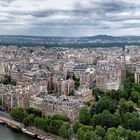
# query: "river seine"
9,134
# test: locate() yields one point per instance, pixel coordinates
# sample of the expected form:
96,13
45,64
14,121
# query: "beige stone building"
35,102
84,94
69,106
137,75
67,86
109,76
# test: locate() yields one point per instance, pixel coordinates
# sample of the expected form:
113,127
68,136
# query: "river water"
9,134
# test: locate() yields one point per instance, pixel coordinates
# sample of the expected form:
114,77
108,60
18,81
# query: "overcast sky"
69,17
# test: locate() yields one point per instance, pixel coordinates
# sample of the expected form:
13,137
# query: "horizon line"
70,36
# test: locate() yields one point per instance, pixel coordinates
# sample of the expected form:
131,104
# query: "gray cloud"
87,17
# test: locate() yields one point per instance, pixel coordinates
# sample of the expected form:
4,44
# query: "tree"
92,109
47,124
121,131
60,117
129,82
112,106
80,134
34,111
29,119
113,94
116,120
123,93
97,92
18,113
87,128
125,106
90,135
7,80
107,119
54,126
65,130
112,134
131,121
74,77
130,76
13,82
135,96
138,103
75,126
132,135
0,102
72,93
100,131
77,83
97,120
103,104
39,123
136,87
84,116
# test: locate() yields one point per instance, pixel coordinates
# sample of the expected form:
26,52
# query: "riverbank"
10,134
43,134
32,131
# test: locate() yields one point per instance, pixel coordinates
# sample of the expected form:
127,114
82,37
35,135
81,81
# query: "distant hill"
93,41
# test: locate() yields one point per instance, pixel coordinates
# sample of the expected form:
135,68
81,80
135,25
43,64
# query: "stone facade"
52,105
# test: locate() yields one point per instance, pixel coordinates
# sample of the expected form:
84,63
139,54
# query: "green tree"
65,130
93,109
116,119
34,111
18,113
72,93
107,119
135,96
77,83
132,135
129,82
125,106
103,104
113,94
123,93
60,117
131,121
7,80
84,116
97,93
75,126
97,120
13,82
87,128
0,102
39,123
90,135
112,134
29,119
74,77
112,106
80,134
55,125
100,131
121,131
136,87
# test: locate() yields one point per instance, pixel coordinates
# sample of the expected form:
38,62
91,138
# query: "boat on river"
28,132
41,137
1,122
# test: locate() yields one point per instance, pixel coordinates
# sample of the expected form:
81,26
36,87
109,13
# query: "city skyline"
69,18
